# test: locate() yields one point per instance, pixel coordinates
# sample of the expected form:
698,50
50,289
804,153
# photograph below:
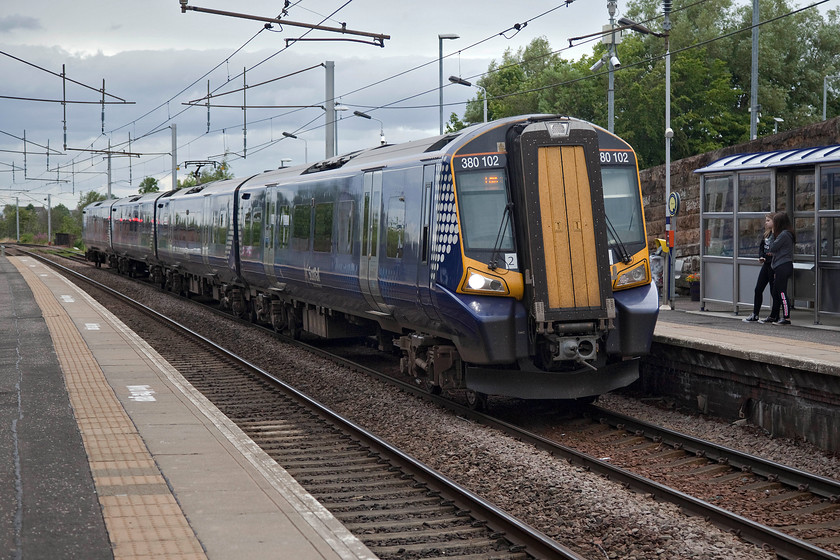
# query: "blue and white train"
508,258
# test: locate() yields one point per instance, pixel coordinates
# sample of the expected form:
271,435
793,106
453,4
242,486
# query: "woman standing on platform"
781,251
765,275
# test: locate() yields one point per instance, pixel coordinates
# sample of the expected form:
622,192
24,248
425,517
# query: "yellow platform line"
143,518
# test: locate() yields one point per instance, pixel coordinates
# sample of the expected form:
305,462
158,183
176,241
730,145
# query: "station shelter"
736,193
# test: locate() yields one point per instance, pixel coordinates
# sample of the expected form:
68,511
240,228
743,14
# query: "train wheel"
476,400
430,387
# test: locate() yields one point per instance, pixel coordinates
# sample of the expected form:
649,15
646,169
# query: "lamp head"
459,81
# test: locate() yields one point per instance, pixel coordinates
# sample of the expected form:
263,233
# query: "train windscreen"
482,198
623,206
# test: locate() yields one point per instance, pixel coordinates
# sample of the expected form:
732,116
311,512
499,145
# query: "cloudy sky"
157,58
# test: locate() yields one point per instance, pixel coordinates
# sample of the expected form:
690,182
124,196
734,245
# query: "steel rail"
795,478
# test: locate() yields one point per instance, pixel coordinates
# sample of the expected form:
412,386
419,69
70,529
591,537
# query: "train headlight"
483,282
633,276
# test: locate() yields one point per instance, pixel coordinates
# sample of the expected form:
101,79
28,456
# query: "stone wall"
687,183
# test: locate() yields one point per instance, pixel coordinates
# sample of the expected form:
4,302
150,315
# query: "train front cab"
570,267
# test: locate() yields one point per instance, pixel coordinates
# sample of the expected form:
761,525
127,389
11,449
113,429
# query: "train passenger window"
396,228
344,243
322,240
301,219
221,229
283,228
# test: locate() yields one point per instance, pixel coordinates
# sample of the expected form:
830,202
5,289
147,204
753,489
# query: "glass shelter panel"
754,192
718,194
830,238
718,238
783,181
830,188
804,192
804,228
829,294
750,236
717,281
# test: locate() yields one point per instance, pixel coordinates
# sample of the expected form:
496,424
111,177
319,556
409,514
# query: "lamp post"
614,63
611,59
825,92
668,289
461,81
776,122
441,37
336,108
305,145
381,127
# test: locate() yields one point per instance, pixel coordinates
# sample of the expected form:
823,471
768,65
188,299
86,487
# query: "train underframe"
567,360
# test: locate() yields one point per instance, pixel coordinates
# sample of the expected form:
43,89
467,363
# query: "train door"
425,282
563,209
369,254
206,228
270,232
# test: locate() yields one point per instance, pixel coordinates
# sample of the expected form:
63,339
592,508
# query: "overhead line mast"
378,38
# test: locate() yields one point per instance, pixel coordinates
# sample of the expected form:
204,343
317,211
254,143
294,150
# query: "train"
507,258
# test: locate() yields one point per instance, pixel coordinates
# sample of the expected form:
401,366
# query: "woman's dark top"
782,249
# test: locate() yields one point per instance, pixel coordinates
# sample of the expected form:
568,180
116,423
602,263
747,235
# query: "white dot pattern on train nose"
446,232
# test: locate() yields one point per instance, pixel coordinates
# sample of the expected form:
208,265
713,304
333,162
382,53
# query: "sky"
153,59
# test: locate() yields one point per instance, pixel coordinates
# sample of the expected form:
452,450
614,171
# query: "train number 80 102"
615,157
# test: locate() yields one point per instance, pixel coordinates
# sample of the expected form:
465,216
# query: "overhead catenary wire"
398,104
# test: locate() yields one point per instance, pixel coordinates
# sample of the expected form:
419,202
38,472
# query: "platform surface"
801,345
108,452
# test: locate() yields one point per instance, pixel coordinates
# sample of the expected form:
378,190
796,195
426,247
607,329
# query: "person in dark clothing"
781,251
765,275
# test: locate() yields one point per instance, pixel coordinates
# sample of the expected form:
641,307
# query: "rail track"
396,505
684,452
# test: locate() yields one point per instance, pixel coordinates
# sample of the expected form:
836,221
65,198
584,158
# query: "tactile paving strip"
143,518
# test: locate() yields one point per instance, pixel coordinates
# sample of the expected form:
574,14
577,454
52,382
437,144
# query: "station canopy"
781,158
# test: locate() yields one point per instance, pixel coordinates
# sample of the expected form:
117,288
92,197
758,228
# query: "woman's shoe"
751,319
782,322
768,320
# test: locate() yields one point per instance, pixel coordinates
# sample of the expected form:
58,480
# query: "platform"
107,452
784,379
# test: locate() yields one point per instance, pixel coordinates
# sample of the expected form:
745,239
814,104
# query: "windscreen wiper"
497,247
622,250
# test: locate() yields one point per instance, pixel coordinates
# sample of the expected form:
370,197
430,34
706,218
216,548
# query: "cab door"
425,281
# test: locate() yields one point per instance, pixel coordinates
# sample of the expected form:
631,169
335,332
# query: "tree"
148,185
221,171
710,45
454,124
